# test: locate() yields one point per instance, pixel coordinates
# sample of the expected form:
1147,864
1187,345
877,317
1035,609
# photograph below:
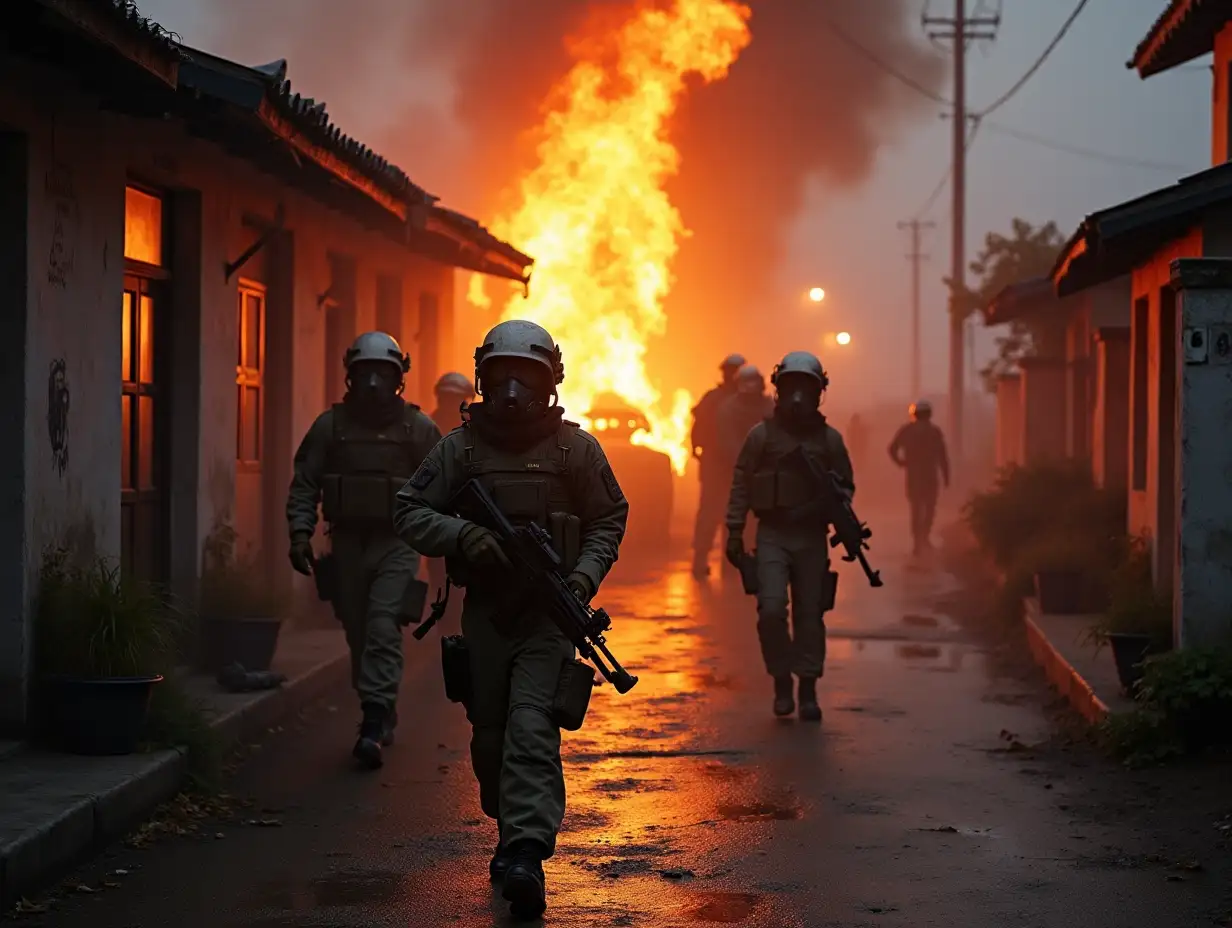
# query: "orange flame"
594,212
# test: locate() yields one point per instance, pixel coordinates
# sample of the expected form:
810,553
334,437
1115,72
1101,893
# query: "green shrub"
92,623
234,584
1135,607
177,720
1043,506
1184,706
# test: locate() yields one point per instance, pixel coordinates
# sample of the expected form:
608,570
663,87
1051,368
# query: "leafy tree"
1028,251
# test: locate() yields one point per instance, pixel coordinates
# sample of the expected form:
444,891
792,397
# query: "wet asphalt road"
688,803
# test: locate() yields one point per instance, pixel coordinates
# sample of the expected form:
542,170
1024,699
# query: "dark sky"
405,82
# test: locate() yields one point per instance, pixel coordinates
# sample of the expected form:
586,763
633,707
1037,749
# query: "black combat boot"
498,866
524,884
783,703
810,711
387,730
367,748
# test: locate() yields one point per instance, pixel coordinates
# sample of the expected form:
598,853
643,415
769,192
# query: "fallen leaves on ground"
183,815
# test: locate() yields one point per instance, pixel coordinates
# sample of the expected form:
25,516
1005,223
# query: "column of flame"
594,212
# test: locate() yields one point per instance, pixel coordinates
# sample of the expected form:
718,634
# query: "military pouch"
522,500
331,497
762,491
829,591
364,500
325,576
413,602
573,689
456,668
566,532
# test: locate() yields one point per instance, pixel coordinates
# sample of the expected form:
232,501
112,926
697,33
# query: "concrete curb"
81,819
1063,676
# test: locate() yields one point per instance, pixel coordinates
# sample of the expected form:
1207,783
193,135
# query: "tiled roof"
126,12
312,117
1020,299
1185,30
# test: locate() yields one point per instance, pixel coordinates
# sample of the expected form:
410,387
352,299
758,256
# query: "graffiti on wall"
57,414
62,195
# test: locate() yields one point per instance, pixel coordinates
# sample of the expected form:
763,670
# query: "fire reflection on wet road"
688,803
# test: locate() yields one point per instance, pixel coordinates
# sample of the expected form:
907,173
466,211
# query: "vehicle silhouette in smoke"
645,475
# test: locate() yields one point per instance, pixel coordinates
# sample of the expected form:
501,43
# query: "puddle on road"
343,889
921,621
937,657
724,908
757,812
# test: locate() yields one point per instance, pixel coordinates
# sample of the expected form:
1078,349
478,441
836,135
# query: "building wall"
1110,417
67,334
1009,420
1043,404
1221,97
1150,503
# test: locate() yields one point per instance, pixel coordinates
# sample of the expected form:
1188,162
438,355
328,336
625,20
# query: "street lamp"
843,338
817,294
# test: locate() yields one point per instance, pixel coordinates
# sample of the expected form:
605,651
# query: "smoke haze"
450,90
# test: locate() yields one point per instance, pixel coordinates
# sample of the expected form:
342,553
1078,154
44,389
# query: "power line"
1039,62
1107,157
949,171
880,62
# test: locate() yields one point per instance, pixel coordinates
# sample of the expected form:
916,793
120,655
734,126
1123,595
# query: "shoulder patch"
612,484
424,475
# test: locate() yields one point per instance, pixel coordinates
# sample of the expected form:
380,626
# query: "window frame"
250,378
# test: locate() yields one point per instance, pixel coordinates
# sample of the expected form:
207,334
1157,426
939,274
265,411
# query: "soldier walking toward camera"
713,476
792,552
919,448
354,459
540,468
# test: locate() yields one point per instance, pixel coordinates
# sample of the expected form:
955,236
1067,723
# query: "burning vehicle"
645,475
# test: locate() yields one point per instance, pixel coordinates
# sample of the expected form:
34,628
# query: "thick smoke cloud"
799,104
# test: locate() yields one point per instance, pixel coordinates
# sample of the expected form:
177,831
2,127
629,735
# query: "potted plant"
240,611
1067,571
100,644
1138,621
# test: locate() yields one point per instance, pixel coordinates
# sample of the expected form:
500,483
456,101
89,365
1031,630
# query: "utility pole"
915,257
960,29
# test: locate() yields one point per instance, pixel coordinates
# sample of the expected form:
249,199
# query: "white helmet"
732,362
750,380
800,362
453,382
922,408
377,346
518,338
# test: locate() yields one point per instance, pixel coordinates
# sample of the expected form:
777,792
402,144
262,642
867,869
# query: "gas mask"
513,400
798,398
374,385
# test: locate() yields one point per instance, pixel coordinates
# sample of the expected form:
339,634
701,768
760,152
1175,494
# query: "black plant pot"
248,642
1129,650
96,717
1063,592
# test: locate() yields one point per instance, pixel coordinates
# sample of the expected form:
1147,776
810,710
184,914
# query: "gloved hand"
302,557
580,584
735,549
481,546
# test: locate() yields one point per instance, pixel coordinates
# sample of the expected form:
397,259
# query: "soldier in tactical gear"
713,474
537,467
919,448
352,462
452,390
740,412
792,550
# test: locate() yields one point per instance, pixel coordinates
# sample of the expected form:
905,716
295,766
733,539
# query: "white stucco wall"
80,158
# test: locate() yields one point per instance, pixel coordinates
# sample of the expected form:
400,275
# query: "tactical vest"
776,491
365,467
535,485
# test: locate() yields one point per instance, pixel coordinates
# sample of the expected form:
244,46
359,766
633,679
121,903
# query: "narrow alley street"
918,802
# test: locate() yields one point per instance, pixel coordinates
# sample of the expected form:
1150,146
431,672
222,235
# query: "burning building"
188,247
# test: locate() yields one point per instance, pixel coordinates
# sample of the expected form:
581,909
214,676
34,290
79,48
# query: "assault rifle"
537,571
836,509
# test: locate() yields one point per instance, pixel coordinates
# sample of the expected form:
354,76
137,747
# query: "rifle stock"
849,531
536,567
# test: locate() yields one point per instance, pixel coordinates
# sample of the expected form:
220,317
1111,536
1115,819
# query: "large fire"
594,212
